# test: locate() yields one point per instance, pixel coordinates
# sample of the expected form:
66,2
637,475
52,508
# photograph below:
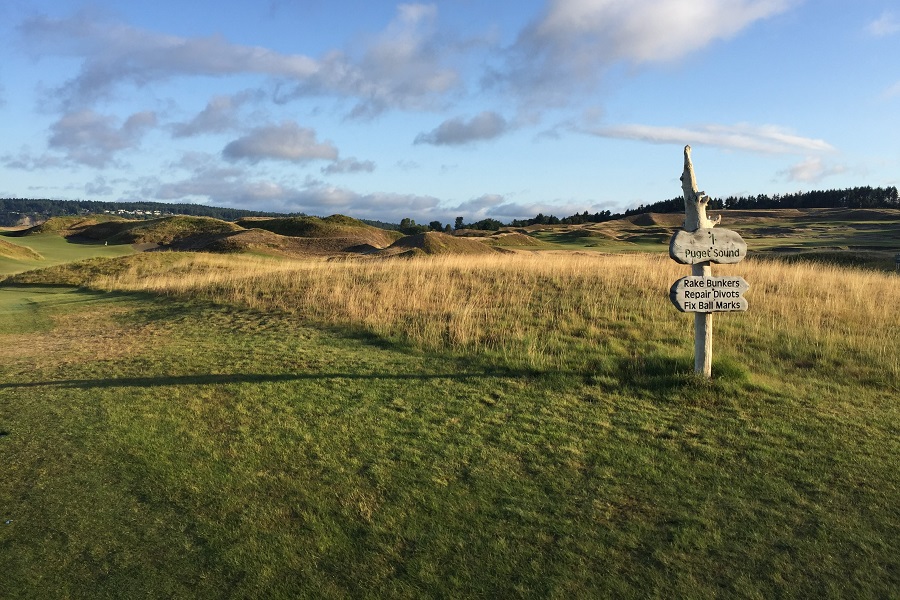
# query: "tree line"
858,197
13,210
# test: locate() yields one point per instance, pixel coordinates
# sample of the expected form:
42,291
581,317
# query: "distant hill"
290,236
157,231
434,243
335,226
15,211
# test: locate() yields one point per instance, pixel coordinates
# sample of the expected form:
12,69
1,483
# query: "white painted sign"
707,245
701,294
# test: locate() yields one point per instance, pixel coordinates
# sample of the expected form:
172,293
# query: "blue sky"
501,109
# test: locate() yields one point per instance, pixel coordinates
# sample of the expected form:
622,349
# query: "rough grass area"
164,231
335,226
174,447
69,225
513,425
17,252
433,243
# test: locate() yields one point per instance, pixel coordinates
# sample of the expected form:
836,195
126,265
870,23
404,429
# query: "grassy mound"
657,219
261,241
71,225
163,231
434,243
335,226
514,239
17,252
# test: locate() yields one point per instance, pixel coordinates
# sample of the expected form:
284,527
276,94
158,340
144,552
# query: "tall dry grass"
547,309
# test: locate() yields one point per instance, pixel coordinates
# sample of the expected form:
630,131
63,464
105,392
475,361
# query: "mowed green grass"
55,250
163,448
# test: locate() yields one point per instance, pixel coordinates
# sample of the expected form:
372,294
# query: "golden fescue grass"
17,252
546,305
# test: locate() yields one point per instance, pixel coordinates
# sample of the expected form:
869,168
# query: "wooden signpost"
699,245
709,294
707,245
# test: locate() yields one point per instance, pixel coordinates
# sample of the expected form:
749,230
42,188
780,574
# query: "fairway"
195,440
55,250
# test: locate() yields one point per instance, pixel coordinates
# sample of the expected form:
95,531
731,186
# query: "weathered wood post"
695,217
699,245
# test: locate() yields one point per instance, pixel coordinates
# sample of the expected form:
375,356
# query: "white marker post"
699,245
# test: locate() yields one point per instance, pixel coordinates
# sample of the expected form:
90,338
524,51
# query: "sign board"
700,294
707,245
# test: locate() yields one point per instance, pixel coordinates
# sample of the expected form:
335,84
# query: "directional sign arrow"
707,245
709,294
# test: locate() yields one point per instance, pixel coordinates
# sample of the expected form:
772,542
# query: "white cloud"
314,197
480,207
766,139
287,141
220,114
98,187
498,206
349,165
886,24
114,52
209,183
574,42
457,131
25,160
402,67
811,170
93,139
891,92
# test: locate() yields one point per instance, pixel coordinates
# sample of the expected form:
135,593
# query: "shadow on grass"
237,378
673,376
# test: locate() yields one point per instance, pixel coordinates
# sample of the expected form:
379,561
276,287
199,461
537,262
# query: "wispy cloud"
92,139
220,115
287,141
98,187
313,197
573,43
887,24
25,160
891,92
114,53
405,66
811,170
402,67
766,139
457,131
349,165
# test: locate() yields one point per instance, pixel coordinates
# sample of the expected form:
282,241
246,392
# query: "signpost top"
707,245
695,201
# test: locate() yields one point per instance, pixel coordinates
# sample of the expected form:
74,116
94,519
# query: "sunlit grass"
509,426
54,249
547,310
